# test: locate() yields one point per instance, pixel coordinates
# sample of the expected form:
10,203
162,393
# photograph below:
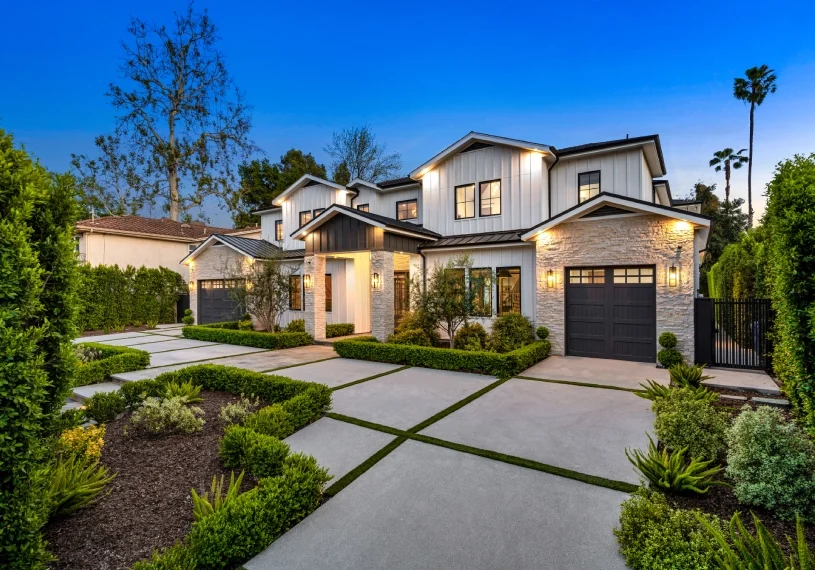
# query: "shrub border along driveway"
114,360
255,339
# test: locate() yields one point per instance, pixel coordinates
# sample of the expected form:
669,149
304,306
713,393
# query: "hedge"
114,297
339,329
232,325
113,360
248,338
501,365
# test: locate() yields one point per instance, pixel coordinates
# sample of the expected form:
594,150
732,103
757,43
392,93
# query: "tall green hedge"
741,272
37,313
790,223
111,296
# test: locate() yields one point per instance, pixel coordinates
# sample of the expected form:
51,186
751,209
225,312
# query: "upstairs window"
318,211
363,208
407,210
305,217
190,248
278,230
588,184
490,198
465,201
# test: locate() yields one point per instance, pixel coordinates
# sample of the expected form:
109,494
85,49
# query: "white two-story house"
585,240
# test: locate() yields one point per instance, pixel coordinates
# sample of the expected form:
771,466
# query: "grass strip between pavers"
352,475
582,384
374,377
494,455
455,407
298,364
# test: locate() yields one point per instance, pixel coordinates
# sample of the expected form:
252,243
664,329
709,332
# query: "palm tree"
759,82
725,159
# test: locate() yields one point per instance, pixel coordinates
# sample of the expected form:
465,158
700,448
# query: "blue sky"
425,74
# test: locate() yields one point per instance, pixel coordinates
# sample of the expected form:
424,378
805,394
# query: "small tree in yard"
445,296
262,288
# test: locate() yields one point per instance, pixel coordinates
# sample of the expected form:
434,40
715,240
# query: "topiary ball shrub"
684,420
103,407
416,337
471,336
667,340
297,325
510,332
771,463
542,332
654,536
669,356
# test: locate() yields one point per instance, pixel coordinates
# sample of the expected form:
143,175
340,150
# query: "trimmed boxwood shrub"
248,338
542,332
261,454
685,421
297,325
413,337
103,407
113,360
669,356
232,325
471,336
511,332
339,329
504,365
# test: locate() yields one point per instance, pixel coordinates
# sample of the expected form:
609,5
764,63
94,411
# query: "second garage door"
611,312
215,302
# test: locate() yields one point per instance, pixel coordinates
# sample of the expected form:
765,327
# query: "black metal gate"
734,333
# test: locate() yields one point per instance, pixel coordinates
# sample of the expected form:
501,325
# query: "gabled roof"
254,248
384,222
470,138
386,185
403,181
633,205
267,210
302,182
156,228
649,143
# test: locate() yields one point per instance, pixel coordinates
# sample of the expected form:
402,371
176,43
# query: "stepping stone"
83,392
71,405
775,402
729,398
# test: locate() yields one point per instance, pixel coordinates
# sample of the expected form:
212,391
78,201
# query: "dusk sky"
424,74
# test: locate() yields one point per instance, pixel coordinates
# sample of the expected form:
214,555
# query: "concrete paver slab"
199,354
168,332
103,338
619,373
583,429
338,371
424,508
404,399
83,392
168,343
338,446
170,326
138,340
742,379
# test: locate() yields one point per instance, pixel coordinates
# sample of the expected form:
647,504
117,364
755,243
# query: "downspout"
549,180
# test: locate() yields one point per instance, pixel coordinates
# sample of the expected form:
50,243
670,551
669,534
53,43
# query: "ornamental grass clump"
671,472
187,390
164,416
772,464
683,420
202,506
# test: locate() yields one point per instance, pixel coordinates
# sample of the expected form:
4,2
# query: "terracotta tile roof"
153,226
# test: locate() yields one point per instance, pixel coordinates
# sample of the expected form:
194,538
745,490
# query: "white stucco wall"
111,249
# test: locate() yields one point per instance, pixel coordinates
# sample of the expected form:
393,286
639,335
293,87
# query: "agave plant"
202,506
743,551
671,472
686,376
653,391
75,483
187,390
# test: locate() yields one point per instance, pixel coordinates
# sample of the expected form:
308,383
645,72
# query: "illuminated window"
305,217
481,286
491,198
295,293
363,208
634,275
407,210
329,297
465,201
588,185
278,230
318,211
509,290
587,276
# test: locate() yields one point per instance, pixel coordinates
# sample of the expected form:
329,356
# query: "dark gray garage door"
215,304
611,312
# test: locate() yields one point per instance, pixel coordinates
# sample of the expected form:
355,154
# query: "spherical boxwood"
667,340
684,421
669,357
542,332
471,336
771,463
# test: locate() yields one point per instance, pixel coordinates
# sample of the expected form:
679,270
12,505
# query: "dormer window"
465,201
588,184
305,217
407,210
364,208
318,211
490,195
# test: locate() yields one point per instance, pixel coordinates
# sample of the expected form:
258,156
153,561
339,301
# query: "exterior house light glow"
376,282
308,282
550,279
672,276
191,285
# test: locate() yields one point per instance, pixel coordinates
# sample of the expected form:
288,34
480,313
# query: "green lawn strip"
494,455
352,475
375,376
298,364
455,407
583,384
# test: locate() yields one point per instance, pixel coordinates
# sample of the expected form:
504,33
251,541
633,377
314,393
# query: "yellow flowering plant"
85,443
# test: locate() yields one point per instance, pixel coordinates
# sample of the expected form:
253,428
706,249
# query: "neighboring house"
137,241
585,240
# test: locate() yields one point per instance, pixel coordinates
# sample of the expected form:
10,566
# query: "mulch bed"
130,328
148,505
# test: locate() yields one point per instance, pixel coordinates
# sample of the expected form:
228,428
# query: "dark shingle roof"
153,226
477,239
403,181
259,248
390,222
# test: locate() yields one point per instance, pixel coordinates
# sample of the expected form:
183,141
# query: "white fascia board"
206,245
267,211
360,182
301,182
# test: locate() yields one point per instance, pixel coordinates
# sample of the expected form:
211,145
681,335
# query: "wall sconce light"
672,276
550,279
191,285
376,282
308,281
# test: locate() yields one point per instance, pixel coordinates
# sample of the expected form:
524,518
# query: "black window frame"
278,230
599,184
484,313
498,310
299,290
329,293
316,212
416,200
300,217
367,207
456,202
481,213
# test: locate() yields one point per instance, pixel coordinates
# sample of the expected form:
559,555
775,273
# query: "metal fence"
734,333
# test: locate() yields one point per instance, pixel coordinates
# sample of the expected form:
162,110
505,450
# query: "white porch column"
382,295
314,271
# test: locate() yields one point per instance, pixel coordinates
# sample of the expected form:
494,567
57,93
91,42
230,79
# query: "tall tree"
181,121
724,159
341,174
362,156
262,181
753,88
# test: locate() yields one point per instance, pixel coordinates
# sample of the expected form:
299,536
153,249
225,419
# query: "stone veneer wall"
314,302
382,299
635,240
214,263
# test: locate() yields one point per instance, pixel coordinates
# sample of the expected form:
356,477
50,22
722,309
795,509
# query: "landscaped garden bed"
167,436
97,362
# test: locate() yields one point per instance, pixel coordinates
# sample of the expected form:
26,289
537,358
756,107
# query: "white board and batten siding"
267,225
500,257
308,198
623,172
523,190
384,202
